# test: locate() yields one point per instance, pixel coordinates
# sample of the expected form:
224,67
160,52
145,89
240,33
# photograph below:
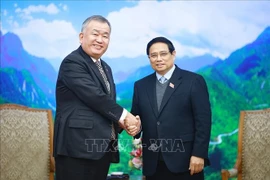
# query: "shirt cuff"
139,130
124,114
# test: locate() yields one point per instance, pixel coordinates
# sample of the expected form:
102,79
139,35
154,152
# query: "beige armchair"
26,143
253,161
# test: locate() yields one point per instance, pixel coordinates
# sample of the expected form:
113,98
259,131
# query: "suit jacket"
84,109
182,125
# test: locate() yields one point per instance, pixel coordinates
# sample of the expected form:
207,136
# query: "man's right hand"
130,120
131,124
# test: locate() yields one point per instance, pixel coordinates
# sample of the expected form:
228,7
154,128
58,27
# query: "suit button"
158,123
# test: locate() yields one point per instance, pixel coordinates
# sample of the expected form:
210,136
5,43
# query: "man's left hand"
196,164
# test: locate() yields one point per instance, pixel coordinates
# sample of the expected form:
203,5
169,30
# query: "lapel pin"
171,85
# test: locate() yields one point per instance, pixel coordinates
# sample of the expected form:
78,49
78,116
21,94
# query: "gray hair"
95,18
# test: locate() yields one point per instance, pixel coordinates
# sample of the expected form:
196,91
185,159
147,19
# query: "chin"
97,53
160,70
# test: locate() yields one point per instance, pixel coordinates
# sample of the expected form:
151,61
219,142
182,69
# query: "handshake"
131,124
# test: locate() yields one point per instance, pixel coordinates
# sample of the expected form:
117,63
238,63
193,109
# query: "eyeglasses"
162,54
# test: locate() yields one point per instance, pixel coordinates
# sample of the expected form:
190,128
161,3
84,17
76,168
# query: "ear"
174,53
81,37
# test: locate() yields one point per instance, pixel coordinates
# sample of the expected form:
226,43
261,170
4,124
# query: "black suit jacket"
84,109
182,125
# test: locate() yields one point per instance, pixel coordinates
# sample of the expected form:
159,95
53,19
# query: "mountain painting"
237,81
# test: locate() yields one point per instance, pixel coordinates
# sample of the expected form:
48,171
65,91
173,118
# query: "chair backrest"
254,145
26,143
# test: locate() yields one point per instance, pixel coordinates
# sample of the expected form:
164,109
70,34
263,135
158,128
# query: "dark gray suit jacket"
182,125
84,109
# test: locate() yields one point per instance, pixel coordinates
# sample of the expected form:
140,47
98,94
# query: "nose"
99,39
159,57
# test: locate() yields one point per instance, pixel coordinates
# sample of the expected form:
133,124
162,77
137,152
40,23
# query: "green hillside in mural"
241,82
23,71
19,87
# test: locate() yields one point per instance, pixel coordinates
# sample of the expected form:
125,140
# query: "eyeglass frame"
162,54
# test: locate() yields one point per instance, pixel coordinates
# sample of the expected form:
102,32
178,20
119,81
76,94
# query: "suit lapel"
151,91
174,82
94,67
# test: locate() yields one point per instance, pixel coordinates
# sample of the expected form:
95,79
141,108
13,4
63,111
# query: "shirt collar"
95,59
168,75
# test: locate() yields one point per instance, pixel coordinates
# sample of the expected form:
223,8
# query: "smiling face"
95,38
160,58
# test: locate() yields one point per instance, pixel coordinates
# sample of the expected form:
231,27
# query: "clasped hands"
131,124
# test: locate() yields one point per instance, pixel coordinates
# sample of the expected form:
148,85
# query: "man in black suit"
174,108
88,118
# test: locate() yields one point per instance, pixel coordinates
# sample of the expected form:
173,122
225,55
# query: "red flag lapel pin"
171,85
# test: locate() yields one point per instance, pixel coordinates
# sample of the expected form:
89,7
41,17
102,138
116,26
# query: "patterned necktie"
98,63
162,80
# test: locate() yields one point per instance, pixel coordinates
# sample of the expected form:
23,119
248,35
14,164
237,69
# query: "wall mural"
226,42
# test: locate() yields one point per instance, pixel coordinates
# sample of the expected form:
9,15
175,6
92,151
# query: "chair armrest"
228,173
52,164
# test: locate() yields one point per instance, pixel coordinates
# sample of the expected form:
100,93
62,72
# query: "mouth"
159,65
98,47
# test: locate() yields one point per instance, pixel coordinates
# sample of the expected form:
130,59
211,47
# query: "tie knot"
162,80
98,63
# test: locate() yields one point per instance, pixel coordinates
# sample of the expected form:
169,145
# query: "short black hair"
162,40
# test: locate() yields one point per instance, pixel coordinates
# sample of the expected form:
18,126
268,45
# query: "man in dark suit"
174,108
87,115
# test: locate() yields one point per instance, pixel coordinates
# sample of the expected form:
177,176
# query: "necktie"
98,63
162,80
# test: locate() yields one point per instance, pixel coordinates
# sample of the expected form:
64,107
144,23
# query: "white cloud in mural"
3,31
49,9
4,12
13,23
63,6
195,27
26,13
49,39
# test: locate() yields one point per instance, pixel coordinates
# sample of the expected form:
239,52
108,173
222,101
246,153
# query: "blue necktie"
162,80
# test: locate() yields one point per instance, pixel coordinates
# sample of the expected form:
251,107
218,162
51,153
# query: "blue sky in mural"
50,29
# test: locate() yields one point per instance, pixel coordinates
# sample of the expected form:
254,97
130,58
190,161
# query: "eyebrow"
160,52
105,32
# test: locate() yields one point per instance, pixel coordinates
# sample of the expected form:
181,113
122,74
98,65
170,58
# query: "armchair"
253,159
26,138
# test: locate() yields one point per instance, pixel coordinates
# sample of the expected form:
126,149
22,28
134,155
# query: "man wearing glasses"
175,113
